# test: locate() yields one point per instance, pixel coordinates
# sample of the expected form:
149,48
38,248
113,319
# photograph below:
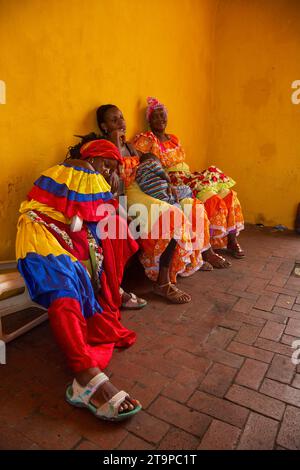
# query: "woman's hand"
173,192
117,137
114,182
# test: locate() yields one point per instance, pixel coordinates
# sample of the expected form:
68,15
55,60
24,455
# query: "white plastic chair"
10,280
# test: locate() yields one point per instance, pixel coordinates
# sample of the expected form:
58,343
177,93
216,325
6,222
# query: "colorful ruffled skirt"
223,208
75,275
159,223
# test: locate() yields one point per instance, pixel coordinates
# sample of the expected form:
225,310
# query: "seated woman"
176,251
157,252
112,125
129,300
210,186
75,272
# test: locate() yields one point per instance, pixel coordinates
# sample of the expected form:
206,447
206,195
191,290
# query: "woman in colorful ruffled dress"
75,272
112,125
211,186
177,251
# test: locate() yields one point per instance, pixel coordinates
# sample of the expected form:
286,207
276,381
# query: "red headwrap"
101,148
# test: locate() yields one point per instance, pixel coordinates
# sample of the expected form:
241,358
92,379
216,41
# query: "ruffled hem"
72,191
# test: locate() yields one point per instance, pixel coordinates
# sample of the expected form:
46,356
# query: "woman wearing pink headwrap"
211,186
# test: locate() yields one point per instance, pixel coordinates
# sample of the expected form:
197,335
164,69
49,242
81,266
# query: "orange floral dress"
162,222
130,164
224,213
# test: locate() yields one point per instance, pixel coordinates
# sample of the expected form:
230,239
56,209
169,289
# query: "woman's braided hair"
74,151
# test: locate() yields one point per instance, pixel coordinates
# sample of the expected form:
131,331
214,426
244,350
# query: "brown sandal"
236,251
218,261
173,294
206,266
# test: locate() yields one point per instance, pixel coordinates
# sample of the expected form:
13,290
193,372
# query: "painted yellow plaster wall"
224,68
60,59
255,127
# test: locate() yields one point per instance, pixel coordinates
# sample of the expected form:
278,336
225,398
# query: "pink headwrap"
153,104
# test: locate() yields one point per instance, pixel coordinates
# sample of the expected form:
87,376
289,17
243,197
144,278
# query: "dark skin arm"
118,138
114,182
171,189
166,177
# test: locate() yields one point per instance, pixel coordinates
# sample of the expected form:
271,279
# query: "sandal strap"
236,246
84,394
134,301
172,291
110,409
164,285
133,297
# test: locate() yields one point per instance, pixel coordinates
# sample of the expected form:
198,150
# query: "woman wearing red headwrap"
75,271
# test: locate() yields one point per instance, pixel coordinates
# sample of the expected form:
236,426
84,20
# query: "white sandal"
134,302
80,397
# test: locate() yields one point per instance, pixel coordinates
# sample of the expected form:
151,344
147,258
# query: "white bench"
14,298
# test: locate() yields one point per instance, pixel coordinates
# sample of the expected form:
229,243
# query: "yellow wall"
223,67
61,59
255,128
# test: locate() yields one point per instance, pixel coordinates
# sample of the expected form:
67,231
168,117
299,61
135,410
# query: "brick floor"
281,369
272,331
220,436
251,374
218,380
259,433
289,434
213,374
